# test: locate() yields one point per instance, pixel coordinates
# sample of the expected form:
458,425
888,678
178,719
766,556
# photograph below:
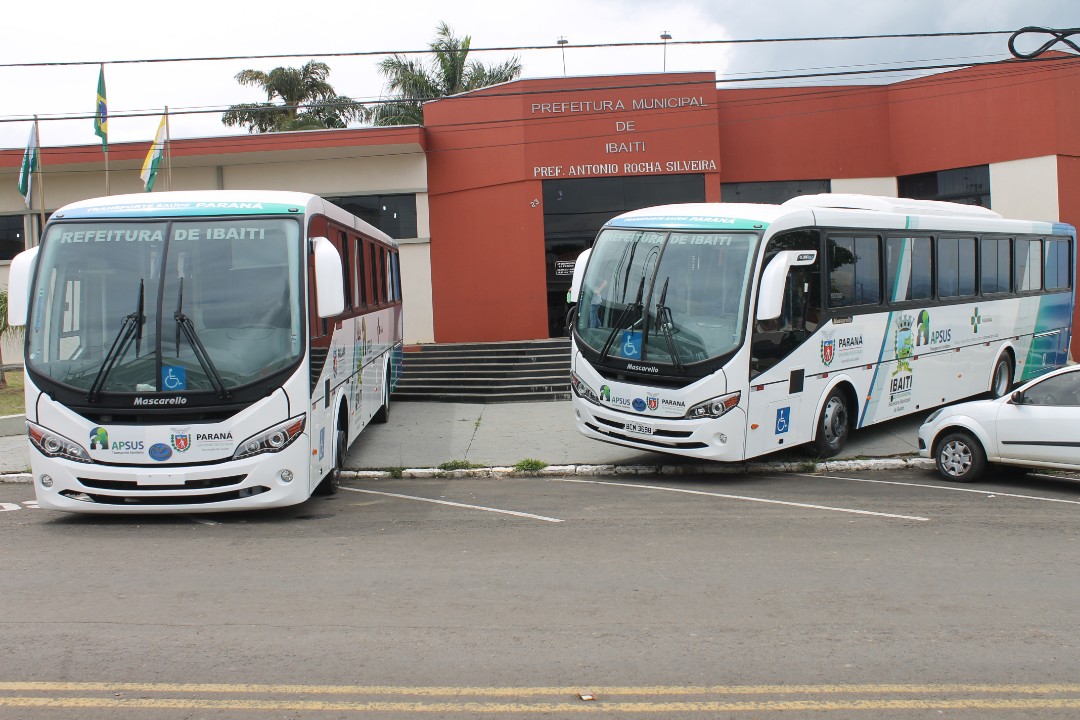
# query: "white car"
1037,425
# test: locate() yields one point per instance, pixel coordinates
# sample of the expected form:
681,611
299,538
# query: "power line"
513,48
560,91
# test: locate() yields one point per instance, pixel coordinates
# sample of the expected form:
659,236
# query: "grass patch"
11,397
459,465
530,465
395,472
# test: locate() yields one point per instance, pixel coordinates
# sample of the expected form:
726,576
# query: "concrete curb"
898,463
12,425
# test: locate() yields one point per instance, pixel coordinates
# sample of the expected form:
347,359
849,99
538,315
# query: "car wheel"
1001,378
833,426
960,457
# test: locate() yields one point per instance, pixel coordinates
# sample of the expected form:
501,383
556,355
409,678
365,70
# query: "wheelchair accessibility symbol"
631,344
173,377
783,420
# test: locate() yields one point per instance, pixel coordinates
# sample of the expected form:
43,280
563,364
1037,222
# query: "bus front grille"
644,440
160,500
132,486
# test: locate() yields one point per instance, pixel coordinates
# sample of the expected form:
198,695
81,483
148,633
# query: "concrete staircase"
534,370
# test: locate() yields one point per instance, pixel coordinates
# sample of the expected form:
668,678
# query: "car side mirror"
1017,398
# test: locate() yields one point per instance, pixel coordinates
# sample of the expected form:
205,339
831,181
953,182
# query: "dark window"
908,269
1058,270
772,193
395,215
995,266
968,185
1028,270
854,271
358,252
346,267
956,267
1061,389
12,237
376,296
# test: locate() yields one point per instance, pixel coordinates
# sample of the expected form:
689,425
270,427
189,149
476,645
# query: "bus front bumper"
250,484
721,439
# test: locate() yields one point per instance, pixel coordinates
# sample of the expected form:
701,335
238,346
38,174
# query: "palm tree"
309,101
448,73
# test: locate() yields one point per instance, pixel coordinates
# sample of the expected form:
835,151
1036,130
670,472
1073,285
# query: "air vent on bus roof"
903,206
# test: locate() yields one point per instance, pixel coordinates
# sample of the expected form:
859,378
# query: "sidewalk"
425,435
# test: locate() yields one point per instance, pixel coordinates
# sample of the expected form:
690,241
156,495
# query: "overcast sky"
66,31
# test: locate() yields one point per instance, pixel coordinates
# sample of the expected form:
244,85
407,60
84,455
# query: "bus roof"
196,203
839,210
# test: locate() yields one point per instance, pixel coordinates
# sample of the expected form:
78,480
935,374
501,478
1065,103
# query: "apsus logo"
99,439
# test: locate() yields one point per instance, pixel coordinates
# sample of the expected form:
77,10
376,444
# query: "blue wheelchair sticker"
630,345
173,377
783,420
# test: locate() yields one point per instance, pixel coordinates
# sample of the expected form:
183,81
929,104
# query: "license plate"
639,429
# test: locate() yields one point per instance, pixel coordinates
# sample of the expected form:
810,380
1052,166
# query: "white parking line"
947,487
454,504
744,497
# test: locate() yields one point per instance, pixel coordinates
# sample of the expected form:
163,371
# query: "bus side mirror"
329,282
19,274
579,273
773,280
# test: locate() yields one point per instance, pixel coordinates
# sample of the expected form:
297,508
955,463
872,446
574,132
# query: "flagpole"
107,189
168,148
41,179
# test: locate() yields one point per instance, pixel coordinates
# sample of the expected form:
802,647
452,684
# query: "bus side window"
800,314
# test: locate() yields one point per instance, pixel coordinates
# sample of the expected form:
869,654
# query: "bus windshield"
166,305
672,298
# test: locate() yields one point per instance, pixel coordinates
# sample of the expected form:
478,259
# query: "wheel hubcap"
835,421
955,458
1001,379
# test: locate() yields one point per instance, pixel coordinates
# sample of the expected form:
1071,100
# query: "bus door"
784,368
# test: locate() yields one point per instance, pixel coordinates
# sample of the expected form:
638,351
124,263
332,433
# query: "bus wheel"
1001,380
833,426
330,483
960,457
383,413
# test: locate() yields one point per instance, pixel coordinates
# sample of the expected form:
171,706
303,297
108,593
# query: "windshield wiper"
184,324
667,327
130,329
624,317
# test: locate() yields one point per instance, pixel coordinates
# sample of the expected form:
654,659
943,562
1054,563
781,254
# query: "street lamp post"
665,36
561,42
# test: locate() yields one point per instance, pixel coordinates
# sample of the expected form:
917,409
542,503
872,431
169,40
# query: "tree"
449,72
5,330
308,101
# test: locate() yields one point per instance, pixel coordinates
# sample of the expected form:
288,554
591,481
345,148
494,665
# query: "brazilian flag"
101,112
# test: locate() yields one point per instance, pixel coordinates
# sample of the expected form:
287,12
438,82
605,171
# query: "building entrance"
575,210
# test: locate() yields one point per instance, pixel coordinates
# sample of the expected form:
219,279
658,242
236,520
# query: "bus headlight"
55,445
582,389
273,439
715,407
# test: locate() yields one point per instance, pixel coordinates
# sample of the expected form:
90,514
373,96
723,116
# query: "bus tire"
833,426
330,483
382,415
1001,378
959,457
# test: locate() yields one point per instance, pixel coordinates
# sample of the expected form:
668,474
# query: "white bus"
728,331
202,351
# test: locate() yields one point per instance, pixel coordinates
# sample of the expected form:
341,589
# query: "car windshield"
125,306
669,298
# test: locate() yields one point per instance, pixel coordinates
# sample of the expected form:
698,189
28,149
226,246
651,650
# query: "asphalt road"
876,595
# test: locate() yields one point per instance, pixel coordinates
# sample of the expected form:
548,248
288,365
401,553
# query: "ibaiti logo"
904,343
99,439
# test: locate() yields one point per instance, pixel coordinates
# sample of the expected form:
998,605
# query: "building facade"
495,196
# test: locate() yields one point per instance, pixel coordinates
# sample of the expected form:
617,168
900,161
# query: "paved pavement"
425,435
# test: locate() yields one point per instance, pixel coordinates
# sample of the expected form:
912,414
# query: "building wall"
1026,189
885,186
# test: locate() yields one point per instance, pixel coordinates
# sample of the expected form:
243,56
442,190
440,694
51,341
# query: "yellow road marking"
454,691
520,708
